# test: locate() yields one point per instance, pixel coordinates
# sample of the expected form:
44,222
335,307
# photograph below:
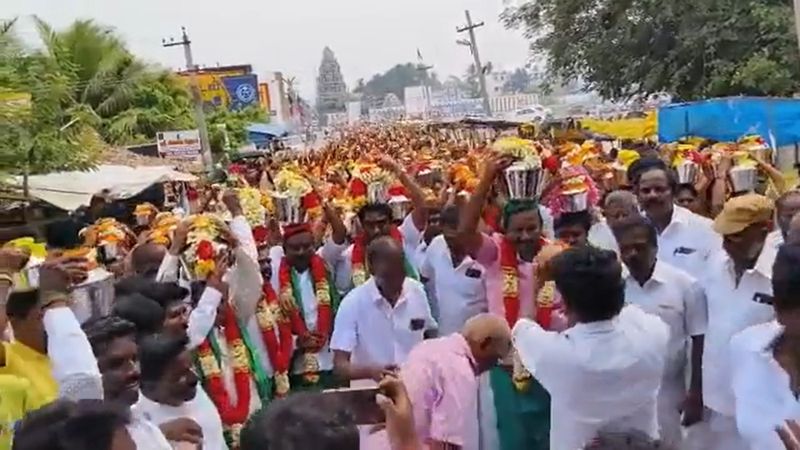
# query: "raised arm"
471,216
420,213
73,363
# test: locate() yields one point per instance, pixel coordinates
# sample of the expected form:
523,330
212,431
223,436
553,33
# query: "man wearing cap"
308,299
739,295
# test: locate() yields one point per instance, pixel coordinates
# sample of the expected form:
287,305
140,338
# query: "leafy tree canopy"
689,48
395,80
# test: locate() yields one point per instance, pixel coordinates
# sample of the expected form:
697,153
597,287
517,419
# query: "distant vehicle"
292,142
533,113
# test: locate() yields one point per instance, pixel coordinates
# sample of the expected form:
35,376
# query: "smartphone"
359,402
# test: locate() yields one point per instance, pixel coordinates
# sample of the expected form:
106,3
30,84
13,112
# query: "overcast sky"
367,36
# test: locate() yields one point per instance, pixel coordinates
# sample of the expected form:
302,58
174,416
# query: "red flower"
358,188
260,234
205,250
550,163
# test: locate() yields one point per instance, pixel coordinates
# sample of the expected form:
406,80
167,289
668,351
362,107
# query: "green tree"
689,48
227,129
395,80
45,130
519,81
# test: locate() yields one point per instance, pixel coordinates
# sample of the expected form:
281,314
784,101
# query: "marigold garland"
357,258
545,304
231,415
269,316
291,305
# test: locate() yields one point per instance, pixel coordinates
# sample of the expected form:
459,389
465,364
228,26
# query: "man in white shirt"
685,239
113,342
452,277
677,298
604,371
169,389
618,206
786,207
379,322
765,377
738,289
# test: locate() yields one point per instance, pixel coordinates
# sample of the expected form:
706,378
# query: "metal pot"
93,298
621,176
743,178
401,206
377,193
687,172
289,210
576,202
524,182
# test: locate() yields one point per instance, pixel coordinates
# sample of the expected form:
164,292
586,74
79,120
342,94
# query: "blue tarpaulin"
261,134
777,120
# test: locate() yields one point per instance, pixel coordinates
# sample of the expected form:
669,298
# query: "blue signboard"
242,91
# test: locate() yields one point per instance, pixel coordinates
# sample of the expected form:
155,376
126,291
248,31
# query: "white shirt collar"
659,274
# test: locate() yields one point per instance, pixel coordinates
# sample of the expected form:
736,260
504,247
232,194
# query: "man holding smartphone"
379,322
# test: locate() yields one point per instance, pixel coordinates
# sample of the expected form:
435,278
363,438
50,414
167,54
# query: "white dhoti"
670,400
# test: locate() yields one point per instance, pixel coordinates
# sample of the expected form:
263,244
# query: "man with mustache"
511,287
685,239
679,300
739,294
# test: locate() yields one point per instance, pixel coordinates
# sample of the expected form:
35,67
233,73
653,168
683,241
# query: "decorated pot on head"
524,179
744,174
399,202
111,238
686,160
252,206
287,198
756,146
575,193
371,182
145,213
205,246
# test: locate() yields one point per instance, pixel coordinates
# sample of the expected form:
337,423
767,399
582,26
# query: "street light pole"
199,114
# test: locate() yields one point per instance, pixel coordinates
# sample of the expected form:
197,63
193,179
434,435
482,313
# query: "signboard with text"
179,144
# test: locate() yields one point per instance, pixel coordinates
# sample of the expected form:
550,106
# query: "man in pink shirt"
441,376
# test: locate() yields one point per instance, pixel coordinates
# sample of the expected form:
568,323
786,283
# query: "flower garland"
270,316
292,308
357,258
545,304
233,416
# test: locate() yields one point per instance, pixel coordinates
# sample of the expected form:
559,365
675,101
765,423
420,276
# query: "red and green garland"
233,416
270,316
291,306
545,304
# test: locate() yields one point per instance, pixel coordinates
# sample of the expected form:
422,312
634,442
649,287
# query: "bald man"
378,323
441,376
618,206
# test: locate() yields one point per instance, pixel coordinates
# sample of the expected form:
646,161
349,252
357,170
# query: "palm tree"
103,73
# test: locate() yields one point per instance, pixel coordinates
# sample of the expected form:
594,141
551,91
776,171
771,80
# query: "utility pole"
473,46
199,114
424,69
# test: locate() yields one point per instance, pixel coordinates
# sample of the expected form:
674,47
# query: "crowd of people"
491,292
